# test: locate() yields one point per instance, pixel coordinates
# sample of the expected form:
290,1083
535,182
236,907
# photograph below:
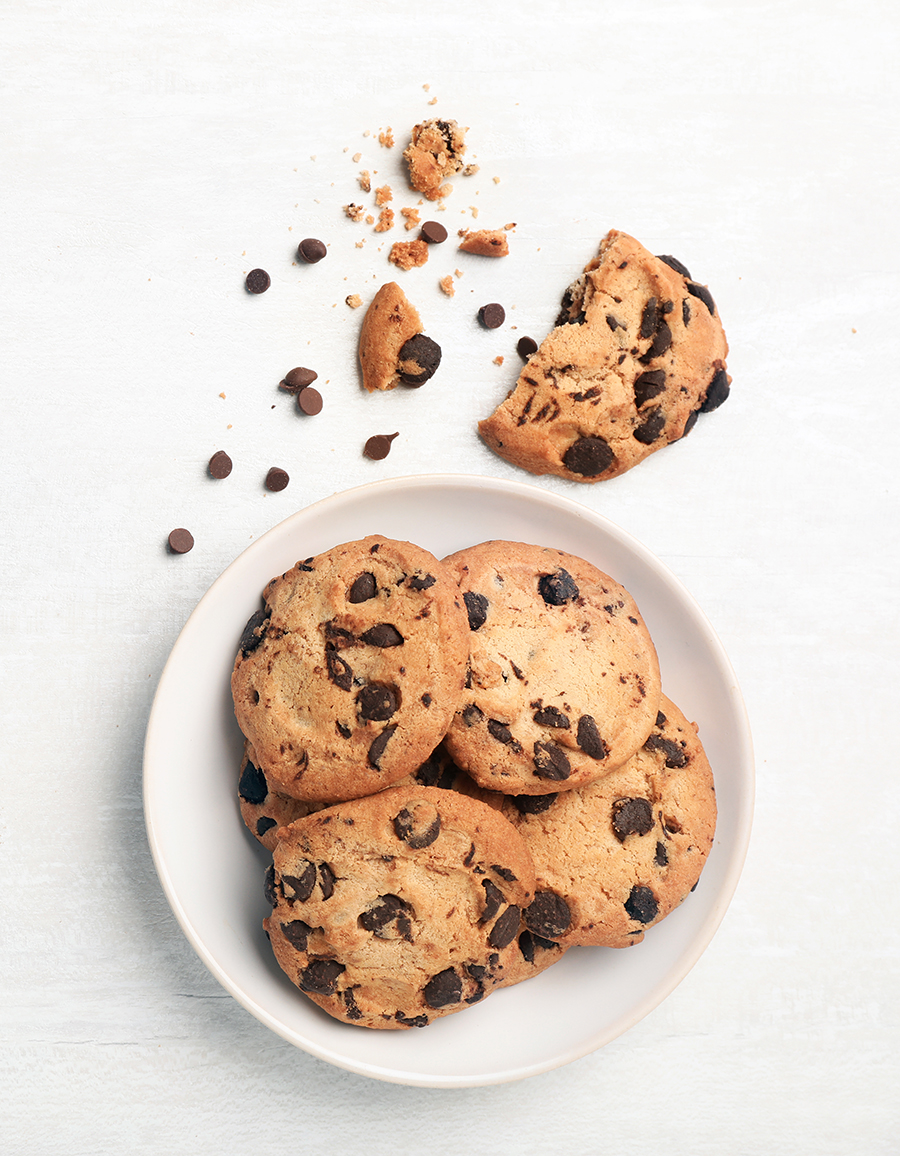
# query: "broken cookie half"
392,346
637,354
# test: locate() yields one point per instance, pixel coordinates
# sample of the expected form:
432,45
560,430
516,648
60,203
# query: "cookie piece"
485,242
617,856
264,810
391,911
390,321
563,682
434,153
637,353
347,679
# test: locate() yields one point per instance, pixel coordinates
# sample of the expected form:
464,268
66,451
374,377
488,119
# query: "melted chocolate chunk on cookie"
353,1012
506,928
326,880
302,885
376,750
631,817
649,319
421,581
253,787
296,933
690,423
651,427
388,918
501,732
472,715
434,773
528,943
254,631
418,825
686,312
571,311
364,587
548,916
264,825
533,804
418,359
476,608
716,392
337,638
642,905
648,385
551,716
675,755
412,1021
493,901
321,977
550,762
662,341
377,702
443,989
588,457
661,858
383,635
558,588
588,738
675,264
703,294
504,873
339,670
270,887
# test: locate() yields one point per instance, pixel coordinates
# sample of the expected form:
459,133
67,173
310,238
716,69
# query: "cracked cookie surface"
637,354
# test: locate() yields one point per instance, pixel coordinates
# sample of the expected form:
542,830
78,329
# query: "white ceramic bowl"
212,870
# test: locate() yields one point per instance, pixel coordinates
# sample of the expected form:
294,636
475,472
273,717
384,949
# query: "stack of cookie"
462,769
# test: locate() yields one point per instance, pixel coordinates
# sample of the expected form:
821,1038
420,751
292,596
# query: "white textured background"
151,154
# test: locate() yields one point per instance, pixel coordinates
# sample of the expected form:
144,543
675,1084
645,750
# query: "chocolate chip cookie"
563,682
347,678
638,353
392,346
391,911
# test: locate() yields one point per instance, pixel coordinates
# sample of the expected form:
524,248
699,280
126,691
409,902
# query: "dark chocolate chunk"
631,817
336,637
642,904
311,250
180,541
472,714
254,631
220,464
433,232
557,588
589,456
418,359
264,824
649,319
363,588
614,323
277,479
353,1012
676,756
343,730
434,773
326,880
476,608
525,346
716,392
548,916
297,933
309,401
492,316
298,378
588,738
662,340
651,427
269,887
253,787
526,946
339,670
704,295
533,804
493,899
321,977
501,732
383,635
505,929
686,312
504,872
387,910
302,885
550,762
551,716
379,446
421,581
412,1021
661,858
418,825
443,989
648,385
675,264
376,750
258,281
377,702
690,423
660,719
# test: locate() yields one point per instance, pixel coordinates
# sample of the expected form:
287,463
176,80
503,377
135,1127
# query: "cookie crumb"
370,220
473,209
433,100
408,254
354,212
386,138
496,180
359,244
412,217
354,300
484,242
470,170
510,225
383,195
447,286
498,360
222,395
365,181
357,157
427,87
385,220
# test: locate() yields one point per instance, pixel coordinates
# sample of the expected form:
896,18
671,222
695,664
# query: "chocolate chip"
550,762
533,804
353,1012
589,740
363,588
377,702
662,340
472,715
525,347
382,635
220,464
648,385
276,479
649,319
476,608
258,281
412,1021
421,581
311,250
703,294
548,916
504,872
614,323
321,977
264,824
505,929
631,817
675,755
557,588
297,933
302,885
388,910
269,888
642,904
254,632
675,264
326,880
493,899
418,825
379,446
686,312
339,670
716,392
376,750
661,858
690,423
550,716
443,989
337,637
253,787
660,719
651,427
433,232
433,773
503,734
418,360
297,379
309,401
181,541
492,316
589,456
